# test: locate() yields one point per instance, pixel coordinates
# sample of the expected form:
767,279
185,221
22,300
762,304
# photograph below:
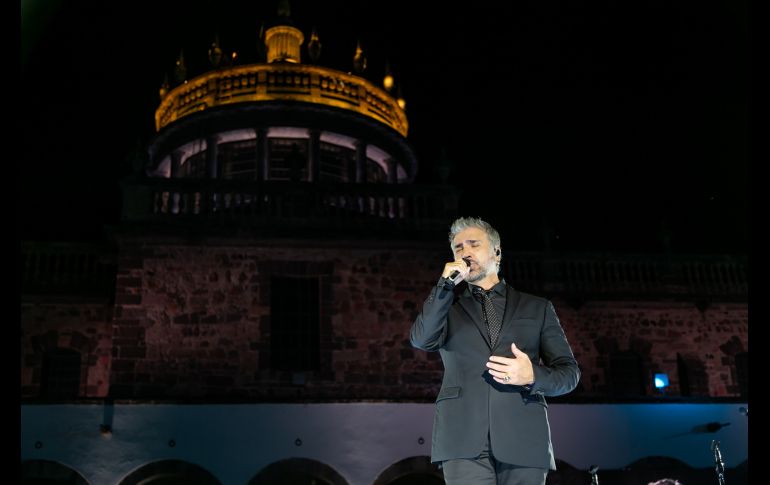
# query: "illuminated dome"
281,119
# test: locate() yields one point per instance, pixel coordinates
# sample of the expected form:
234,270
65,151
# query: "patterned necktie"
490,315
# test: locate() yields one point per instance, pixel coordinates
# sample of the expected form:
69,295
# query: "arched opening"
416,470
170,472
655,468
298,471
46,472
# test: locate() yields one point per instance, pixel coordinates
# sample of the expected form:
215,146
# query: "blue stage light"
661,381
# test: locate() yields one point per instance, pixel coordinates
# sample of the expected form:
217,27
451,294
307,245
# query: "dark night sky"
604,120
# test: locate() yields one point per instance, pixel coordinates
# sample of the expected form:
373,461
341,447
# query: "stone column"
392,171
176,163
314,155
213,168
262,154
360,162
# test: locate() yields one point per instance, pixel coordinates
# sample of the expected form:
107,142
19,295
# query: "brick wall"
194,322
82,327
657,331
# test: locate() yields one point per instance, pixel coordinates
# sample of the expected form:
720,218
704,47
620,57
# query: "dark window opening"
693,380
61,374
288,159
295,323
238,160
194,167
335,162
626,376
374,172
742,373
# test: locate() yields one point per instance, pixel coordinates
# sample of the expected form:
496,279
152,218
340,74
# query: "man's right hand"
461,266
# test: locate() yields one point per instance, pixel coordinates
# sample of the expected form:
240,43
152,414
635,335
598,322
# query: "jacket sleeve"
429,329
558,373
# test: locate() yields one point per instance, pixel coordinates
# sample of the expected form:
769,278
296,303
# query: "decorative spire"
314,47
164,87
215,53
359,59
180,71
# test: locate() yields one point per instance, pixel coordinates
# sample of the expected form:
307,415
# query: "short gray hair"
464,223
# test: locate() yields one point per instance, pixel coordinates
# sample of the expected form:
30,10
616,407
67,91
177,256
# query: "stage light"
661,381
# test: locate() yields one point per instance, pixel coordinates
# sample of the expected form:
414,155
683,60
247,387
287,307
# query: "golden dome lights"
387,81
400,99
280,75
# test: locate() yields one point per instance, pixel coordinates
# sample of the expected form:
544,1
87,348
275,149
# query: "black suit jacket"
470,403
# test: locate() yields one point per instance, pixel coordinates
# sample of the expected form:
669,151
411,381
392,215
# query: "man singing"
503,352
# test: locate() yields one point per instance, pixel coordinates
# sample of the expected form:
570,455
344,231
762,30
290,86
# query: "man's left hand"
516,370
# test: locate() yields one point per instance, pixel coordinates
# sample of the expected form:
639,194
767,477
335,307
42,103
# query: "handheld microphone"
455,277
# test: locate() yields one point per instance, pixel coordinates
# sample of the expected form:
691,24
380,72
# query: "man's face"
473,245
